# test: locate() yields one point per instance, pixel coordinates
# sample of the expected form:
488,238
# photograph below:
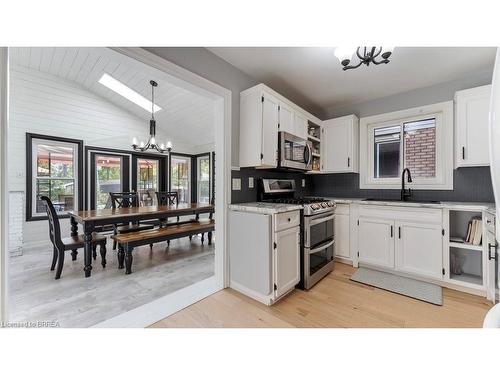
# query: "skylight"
127,93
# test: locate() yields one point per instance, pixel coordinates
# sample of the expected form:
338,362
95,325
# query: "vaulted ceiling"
186,116
314,76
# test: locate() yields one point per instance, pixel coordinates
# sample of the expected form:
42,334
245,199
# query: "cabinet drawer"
287,220
342,209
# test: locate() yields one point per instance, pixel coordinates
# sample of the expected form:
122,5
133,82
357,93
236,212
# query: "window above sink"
420,139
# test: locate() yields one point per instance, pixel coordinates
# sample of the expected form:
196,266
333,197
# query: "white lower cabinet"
342,232
264,258
376,242
402,240
286,260
419,249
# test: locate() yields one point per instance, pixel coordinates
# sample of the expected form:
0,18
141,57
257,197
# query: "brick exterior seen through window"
420,152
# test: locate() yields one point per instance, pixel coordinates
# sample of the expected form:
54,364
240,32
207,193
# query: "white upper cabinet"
339,140
286,119
300,125
471,126
263,113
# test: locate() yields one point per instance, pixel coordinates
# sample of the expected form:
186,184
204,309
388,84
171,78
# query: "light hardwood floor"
334,302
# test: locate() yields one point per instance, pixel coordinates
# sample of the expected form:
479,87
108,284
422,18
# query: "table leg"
128,259
74,226
74,233
121,256
87,247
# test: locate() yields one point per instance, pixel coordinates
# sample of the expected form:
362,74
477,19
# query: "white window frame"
443,180
34,174
188,159
198,176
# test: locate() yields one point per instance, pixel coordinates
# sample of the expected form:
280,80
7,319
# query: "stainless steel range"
317,224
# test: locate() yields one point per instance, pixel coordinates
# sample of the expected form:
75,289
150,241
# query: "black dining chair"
167,198
61,245
127,199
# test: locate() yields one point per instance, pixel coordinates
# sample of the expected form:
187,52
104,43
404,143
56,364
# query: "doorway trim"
4,200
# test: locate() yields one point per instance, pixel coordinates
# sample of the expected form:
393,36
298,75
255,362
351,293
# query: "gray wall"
469,185
415,98
208,65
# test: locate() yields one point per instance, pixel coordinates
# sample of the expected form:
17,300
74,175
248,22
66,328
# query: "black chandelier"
151,143
366,55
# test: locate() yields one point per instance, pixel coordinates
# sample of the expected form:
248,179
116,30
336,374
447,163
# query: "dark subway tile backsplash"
470,185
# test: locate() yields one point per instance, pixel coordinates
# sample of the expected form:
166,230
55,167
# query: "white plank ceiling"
186,116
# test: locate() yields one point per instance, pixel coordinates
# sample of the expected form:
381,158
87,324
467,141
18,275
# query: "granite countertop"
488,206
264,208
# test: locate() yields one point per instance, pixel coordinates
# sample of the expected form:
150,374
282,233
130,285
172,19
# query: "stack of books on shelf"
474,231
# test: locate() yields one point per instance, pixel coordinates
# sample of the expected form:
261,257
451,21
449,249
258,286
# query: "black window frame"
29,173
130,169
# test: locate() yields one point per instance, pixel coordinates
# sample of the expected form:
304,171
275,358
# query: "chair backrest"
129,199
54,227
166,198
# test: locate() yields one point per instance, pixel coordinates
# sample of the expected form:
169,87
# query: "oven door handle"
321,220
315,250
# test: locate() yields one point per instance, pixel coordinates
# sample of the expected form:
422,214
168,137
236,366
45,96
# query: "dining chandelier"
366,55
151,143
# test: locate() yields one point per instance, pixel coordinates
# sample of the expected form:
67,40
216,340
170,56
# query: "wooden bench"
128,241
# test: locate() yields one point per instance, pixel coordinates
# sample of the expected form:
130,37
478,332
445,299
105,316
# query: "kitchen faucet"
405,194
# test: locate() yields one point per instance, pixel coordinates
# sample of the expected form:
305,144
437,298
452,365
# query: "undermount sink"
399,200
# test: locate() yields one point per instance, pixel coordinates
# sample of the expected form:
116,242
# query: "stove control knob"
330,204
315,207
324,205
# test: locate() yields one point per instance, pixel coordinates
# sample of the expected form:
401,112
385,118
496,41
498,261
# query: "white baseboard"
145,315
266,300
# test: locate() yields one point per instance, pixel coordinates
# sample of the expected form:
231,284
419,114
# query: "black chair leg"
74,253
202,238
190,238
94,252
102,248
121,256
209,238
54,259
151,246
168,242
128,260
60,264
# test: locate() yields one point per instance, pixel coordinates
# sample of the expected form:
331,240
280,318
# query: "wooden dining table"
90,219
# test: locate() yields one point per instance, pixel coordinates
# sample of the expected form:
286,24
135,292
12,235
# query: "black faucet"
404,193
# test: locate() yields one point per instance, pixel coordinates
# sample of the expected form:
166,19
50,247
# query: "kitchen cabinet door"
286,260
376,242
286,119
339,144
270,115
419,249
341,235
472,121
300,125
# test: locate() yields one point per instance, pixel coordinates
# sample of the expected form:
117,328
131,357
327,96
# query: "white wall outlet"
303,182
236,183
250,182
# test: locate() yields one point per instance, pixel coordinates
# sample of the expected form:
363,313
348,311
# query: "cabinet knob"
289,219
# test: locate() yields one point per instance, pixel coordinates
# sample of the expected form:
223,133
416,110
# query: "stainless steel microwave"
294,152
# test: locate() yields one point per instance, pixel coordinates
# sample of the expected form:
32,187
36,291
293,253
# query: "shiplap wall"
45,104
